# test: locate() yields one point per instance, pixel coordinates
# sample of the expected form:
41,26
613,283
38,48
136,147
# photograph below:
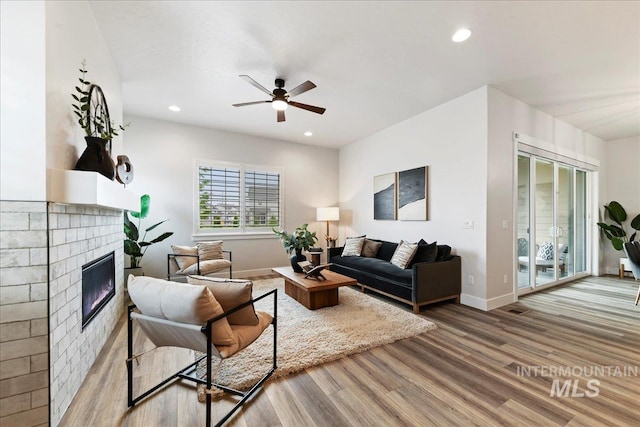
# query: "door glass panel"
564,222
523,225
544,223
581,222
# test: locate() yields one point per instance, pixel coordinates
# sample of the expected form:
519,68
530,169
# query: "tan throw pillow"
207,267
230,293
353,246
210,250
370,248
185,261
180,302
403,254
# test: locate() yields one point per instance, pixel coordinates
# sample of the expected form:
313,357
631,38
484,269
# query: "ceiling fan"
280,97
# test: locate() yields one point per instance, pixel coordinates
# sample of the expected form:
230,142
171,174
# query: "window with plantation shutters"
237,199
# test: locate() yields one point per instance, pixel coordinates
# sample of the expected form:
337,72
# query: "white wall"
22,94
163,155
452,140
623,185
73,35
508,115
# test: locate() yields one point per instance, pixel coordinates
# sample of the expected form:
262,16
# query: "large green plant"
134,246
616,232
298,240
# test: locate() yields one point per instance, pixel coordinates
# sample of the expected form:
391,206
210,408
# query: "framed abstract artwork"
412,194
384,196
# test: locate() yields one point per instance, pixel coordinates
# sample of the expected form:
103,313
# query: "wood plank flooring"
468,372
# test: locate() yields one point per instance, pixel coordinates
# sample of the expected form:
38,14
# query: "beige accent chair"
209,315
203,259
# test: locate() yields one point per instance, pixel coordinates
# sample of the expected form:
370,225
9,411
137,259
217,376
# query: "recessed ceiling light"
174,108
308,133
461,35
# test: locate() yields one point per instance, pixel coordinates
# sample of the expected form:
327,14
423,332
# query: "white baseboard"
500,301
472,301
487,305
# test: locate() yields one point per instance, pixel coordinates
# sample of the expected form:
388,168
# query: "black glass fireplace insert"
98,286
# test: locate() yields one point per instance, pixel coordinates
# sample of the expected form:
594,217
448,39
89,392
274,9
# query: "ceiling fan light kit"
280,97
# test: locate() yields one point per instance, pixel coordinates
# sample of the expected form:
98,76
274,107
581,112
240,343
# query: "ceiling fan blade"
318,110
256,84
280,116
243,104
301,88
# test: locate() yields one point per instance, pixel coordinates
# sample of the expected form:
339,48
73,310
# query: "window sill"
200,237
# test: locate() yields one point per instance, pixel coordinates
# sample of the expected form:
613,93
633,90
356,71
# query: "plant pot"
96,158
136,271
295,259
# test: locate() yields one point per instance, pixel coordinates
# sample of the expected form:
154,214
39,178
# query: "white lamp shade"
328,214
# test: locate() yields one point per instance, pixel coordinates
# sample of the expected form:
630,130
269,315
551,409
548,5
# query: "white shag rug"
311,337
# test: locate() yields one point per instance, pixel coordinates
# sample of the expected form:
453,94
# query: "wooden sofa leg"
457,300
416,308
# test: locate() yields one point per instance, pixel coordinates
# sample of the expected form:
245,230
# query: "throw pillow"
180,302
230,293
426,252
370,248
185,261
210,250
403,254
523,246
444,252
353,246
546,251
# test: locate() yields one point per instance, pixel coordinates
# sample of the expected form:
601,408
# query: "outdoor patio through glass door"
551,221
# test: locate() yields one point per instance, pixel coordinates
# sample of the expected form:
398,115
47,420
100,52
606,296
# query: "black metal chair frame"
187,373
632,249
197,257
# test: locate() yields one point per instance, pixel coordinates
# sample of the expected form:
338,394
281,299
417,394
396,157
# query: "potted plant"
616,232
300,239
92,112
134,245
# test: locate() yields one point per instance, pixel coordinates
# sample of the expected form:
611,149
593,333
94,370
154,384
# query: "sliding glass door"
551,221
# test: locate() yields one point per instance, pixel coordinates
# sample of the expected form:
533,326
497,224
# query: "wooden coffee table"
312,293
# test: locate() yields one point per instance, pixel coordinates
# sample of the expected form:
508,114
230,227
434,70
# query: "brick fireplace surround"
44,353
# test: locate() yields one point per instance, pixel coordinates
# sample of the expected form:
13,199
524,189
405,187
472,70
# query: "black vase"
96,158
295,259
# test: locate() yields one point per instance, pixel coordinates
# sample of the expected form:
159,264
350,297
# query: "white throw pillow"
353,246
404,254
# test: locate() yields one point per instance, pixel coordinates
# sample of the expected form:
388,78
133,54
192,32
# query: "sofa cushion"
426,252
404,254
353,246
370,248
376,267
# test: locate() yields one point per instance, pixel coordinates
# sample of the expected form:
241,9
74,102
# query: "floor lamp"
328,214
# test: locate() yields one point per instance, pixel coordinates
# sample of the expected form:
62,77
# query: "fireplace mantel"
89,188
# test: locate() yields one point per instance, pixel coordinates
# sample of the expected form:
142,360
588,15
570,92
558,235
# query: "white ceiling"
375,63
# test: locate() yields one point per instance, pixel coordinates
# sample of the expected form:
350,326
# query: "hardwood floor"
468,372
